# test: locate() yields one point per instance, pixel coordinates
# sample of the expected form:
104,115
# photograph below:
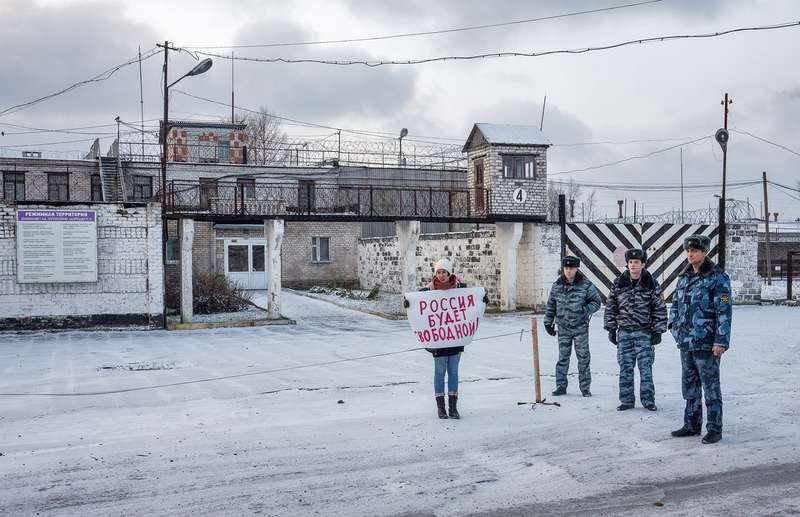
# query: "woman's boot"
452,400
440,406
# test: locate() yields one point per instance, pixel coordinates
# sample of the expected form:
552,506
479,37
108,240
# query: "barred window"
97,188
58,186
142,188
14,186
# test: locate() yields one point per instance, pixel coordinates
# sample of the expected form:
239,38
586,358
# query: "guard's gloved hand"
550,329
669,326
612,336
486,298
655,338
405,303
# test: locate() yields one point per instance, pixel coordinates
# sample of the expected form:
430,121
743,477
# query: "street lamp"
403,133
200,68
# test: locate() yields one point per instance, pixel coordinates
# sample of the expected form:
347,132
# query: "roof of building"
505,134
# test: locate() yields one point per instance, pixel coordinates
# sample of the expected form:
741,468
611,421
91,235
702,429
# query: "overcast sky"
654,91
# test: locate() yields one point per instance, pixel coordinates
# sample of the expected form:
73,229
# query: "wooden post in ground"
536,377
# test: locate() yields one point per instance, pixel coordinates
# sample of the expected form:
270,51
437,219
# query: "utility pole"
722,138
681,185
164,222
766,223
544,103
233,118
141,99
339,152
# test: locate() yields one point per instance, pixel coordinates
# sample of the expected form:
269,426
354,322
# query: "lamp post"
200,68
403,133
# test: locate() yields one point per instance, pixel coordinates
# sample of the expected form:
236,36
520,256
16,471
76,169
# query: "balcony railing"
221,198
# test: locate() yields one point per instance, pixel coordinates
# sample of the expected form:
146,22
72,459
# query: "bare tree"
585,206
266,141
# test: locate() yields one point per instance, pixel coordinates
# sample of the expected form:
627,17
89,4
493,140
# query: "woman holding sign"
446,360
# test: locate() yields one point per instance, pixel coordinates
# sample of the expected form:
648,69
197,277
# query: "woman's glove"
405,303
486,298
612,336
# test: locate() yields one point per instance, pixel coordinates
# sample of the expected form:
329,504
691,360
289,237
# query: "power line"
742,131
373,134
98,78
428,33
493,55
630,158
625,142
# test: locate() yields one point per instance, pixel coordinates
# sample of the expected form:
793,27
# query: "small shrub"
213,293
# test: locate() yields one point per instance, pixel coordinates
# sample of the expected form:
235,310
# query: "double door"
244,263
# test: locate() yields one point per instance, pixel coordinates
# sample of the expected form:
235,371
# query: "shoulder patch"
724,298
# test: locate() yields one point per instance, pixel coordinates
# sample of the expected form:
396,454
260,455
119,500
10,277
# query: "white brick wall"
475,259
130,280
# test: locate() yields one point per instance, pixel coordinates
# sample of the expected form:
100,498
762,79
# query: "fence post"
537,380
370,201
430,201
789,274
562,222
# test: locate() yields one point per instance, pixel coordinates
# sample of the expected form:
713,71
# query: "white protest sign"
445,318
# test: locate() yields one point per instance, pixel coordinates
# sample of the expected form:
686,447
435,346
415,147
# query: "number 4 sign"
520,195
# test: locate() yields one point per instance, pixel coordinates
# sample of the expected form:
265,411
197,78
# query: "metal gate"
601,248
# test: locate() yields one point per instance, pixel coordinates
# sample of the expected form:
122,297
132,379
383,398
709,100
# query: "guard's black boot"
712,437
651,406
586,393
440,406
560,391
624,407
452,400
683,431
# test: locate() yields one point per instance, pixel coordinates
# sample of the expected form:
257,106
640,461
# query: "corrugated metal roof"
510,134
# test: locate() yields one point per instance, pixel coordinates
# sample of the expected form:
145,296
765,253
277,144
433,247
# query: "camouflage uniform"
637,310
700,318
571,306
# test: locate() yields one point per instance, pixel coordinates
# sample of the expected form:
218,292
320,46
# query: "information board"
56,246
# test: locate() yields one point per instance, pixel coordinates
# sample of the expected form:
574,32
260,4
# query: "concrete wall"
741,262
475,258
129,287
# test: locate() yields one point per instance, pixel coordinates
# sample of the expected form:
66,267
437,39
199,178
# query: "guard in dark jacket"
700,320
573,299
635,318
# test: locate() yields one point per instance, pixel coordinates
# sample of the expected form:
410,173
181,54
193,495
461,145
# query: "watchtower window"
519,166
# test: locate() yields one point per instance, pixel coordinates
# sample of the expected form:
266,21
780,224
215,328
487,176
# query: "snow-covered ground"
281,443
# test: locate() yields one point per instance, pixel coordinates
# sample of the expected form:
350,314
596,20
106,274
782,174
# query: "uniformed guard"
573,299
700,321
635,318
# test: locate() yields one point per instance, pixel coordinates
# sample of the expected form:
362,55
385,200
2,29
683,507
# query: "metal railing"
229,198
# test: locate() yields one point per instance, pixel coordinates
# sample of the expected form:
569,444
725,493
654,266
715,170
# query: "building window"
237,258
173,250
97,188
246,187
58,186
480,195
208,192
14,186
519,166
224,151
142,188
320,249
306,196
